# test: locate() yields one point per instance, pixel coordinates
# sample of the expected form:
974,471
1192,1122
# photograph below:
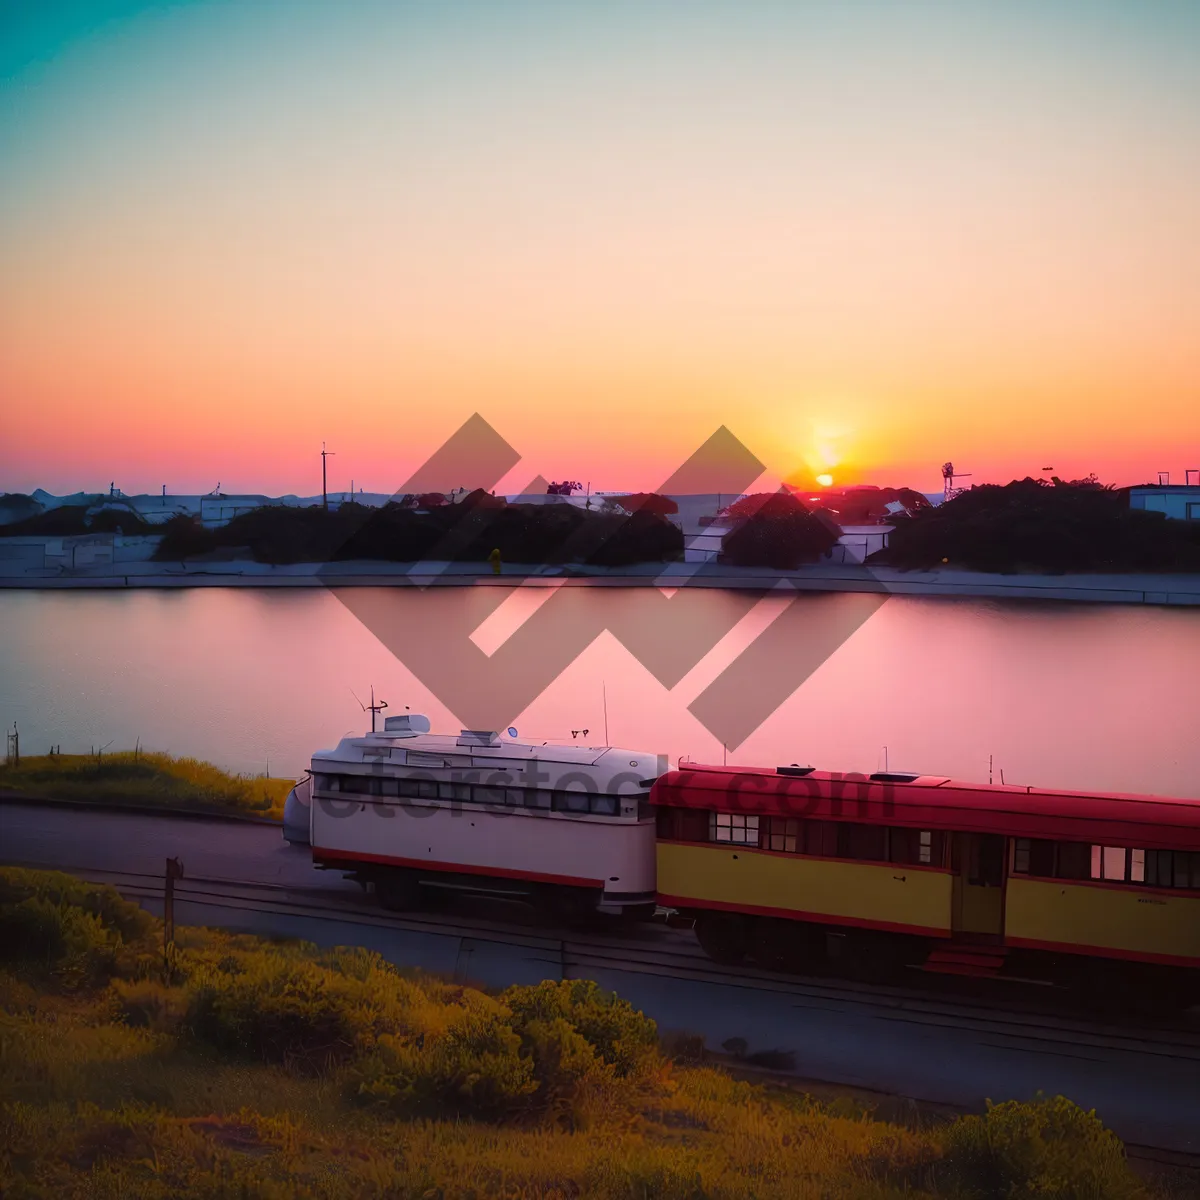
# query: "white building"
1177,500
856,544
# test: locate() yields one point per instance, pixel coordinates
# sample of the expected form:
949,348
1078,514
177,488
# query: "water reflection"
1079,696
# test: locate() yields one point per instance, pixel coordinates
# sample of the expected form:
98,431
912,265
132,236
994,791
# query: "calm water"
1080,696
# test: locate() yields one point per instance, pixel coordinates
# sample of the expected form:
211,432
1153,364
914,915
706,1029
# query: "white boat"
405,810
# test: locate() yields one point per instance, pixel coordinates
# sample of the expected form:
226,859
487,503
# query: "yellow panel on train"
884,895
1056,913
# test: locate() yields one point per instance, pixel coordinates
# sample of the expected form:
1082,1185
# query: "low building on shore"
1179,501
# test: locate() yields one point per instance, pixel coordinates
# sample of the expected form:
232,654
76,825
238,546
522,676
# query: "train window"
1021,855
1172,869
986,862
1034,856
1110,862
865,842
821,838
736,828
917,846
1137,866
782,833
1074,861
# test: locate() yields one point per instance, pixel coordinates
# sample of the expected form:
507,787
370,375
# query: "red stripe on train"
352,856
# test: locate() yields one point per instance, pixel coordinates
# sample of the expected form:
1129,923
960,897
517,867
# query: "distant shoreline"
1173,590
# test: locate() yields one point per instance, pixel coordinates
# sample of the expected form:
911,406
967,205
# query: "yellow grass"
149,778
123,1084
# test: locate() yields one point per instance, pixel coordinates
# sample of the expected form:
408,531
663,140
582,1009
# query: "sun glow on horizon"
825,480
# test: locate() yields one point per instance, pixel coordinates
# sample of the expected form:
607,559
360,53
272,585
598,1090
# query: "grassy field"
265,1070
146,778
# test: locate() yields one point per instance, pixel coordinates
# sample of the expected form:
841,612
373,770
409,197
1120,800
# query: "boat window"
606,806
514,797
356,784
782,833
389,787
736,828
576,802
536,799
325,783
489,795
454,791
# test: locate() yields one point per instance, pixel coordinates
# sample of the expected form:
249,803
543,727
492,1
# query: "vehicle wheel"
571,906
398,891
722,936
781,945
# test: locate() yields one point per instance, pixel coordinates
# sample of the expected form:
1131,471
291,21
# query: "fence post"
174,872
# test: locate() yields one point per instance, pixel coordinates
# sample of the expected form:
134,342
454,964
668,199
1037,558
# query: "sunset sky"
866,237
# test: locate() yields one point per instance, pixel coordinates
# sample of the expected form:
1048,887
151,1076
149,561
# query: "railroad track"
677,958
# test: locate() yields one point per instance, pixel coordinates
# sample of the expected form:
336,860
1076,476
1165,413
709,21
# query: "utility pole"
324,488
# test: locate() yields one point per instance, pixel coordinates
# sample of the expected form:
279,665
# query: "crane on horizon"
949,477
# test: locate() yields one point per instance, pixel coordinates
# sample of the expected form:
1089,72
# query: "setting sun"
825,480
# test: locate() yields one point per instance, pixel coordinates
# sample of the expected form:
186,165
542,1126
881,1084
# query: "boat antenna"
372,708
375,708
604,700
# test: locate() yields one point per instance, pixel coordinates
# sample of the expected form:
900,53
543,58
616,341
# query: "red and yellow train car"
781,865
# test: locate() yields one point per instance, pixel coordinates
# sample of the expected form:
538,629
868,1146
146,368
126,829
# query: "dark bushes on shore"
464,532
1032,525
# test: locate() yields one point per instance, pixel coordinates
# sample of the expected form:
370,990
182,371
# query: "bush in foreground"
1050,1147
275,1070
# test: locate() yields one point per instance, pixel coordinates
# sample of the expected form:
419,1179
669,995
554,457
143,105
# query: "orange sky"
870,241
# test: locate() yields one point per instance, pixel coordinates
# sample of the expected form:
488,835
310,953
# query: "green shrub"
620,1035
117,914
70,945
284,1012
473,1067
1045,1148
148,1003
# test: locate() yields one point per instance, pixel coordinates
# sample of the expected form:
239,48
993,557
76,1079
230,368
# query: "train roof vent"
408,725
478,737
794,769
893,777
